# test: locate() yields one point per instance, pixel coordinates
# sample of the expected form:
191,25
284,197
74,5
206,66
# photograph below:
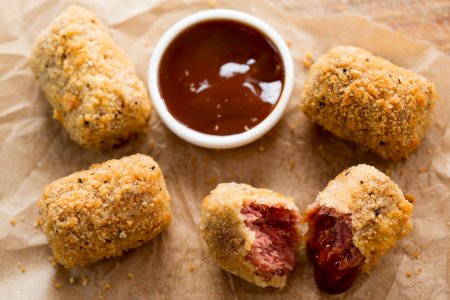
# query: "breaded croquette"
101,212
368,100
354,221
88,80
251,233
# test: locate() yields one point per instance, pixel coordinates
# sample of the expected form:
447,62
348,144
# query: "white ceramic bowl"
216,141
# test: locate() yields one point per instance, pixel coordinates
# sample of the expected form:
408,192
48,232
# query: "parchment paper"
35,150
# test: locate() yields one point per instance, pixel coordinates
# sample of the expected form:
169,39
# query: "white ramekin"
216,141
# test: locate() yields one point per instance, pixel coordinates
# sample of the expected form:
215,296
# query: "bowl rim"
220,141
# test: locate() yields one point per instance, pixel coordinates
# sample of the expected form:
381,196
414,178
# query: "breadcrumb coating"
368,100
380,214
101,212
228,239
90,83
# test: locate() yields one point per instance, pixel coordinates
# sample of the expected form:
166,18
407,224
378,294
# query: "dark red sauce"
336,260
221,77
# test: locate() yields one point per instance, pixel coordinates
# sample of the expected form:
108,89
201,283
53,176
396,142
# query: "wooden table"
427,20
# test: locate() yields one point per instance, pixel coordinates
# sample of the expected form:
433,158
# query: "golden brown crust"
368,100
98,213
89,81
228,239
380,214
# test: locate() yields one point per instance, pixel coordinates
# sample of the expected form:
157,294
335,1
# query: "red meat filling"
336,260
273,252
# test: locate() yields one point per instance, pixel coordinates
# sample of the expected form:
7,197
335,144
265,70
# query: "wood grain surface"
427,20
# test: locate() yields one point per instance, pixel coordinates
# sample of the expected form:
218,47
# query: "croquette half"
368,100
358,217
101,212
90,83
251,233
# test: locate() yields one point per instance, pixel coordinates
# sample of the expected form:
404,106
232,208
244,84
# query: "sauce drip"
221,77
336,260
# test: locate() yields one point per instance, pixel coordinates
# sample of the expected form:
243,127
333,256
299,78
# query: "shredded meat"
273,252
336,260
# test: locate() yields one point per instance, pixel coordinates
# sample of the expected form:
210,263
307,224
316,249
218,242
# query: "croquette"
353,222
101,212
90,83
251,233
368,100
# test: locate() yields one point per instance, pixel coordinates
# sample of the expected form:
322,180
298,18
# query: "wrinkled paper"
36,150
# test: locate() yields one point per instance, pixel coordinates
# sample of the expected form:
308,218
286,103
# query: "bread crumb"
211,181
38,222
410,197
13,222
420,186
72,280
261,149
303,178
403,172
419,271
146,43
22,269
107,286
308,54
291,163
52,279
212,3
246,128
130,276
422,170
416,254
85,279
139,293
192,267
388,172
408,273
151,144
216,128
57,286
429,151
306,62
122,235
433,193
341,8
289,44
21,218
19,263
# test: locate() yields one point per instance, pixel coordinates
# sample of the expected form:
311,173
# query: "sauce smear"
221,77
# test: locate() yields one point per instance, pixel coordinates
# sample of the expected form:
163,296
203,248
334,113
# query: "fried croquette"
353,222
90,83
251,233
368,100
101,212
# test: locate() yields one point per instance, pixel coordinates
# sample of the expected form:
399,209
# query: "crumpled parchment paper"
35,150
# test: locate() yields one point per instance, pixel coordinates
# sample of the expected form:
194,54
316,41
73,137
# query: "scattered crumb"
151,144
139,293
19,263
216,128
85,279
306,62
107,286
21,218
422,170
38,222
211,181
22,269
261,149
419,271
146,43
122,235
308,54
52,279
408,273
416,254
388,172
429,151
421,186
57,286
72,280
291,163
341,8
192,267
289,43
410,197
13,222
130,276
433,193
303,178
212,3
403,172
246,128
